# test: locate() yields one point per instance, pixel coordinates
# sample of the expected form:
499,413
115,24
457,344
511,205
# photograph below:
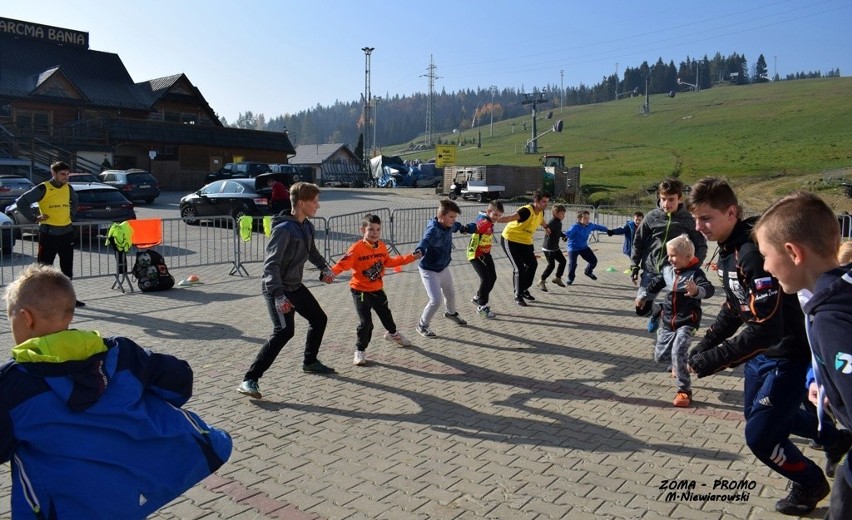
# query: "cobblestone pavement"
556,410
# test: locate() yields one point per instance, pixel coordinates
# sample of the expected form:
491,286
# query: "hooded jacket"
829,323
657,228
94,429
437,244
290,246
774,323
680,309
368,261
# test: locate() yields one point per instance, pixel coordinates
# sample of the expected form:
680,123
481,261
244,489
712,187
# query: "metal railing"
218,241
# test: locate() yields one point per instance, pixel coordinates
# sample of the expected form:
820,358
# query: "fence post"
238,267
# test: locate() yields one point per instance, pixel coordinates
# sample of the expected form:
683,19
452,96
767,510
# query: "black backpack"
151,272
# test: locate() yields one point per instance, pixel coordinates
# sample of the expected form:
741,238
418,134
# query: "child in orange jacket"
367,260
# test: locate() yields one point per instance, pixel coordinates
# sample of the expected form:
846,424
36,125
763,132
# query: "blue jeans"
588,255
773,391
675,344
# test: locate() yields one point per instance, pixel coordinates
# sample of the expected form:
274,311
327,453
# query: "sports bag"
151,272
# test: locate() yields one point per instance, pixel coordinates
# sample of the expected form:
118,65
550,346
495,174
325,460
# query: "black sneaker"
79,304
526,294
834,455
520,301
318,368
802,501
475,300
592,276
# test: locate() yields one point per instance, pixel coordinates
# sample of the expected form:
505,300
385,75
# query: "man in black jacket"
773,345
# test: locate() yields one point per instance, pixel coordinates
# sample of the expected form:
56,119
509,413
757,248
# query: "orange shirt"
367,262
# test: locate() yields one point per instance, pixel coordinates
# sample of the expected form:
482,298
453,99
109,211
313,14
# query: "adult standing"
279,200
57,206
517,242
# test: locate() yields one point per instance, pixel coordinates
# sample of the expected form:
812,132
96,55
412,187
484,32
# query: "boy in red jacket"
367,260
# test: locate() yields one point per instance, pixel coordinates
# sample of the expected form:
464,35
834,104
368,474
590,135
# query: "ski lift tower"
533,99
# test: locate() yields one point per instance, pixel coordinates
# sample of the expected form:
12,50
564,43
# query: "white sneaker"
360,358
485,312
397,338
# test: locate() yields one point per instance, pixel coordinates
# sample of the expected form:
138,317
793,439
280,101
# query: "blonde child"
686,285
80,411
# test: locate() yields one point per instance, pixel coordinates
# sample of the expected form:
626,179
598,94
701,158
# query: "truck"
471,184
560,181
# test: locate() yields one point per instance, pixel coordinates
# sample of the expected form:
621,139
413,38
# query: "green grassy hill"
768,139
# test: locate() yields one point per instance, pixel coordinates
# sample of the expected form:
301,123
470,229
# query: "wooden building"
60,100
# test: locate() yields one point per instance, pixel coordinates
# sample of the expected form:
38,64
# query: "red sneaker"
682,399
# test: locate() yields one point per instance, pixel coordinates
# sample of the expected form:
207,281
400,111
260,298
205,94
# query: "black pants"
307,306
365,302
554,257
524,264
588,255
51,245
484,267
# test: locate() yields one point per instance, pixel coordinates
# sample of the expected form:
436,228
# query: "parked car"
134,184
95,202
239,170
233,197
83,177
12,187
7,235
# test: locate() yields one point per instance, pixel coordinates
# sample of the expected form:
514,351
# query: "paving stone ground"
556,410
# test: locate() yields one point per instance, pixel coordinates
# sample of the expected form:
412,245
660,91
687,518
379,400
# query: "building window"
33,123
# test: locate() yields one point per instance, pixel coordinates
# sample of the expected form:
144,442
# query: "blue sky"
283,56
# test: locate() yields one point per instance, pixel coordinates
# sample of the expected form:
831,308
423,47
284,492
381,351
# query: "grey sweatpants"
675,343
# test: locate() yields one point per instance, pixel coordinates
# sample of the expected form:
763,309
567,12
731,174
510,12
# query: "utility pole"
367,145
561,88
430,99
493,89
616,81
533,99
775,68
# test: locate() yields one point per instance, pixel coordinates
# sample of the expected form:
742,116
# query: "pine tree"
761,74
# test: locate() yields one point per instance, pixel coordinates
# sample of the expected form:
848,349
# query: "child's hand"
639,302
283,304
327,276
691,288
813,393
417,255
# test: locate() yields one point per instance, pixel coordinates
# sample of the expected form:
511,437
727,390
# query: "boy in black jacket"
773,346
686,285
552,250
799,238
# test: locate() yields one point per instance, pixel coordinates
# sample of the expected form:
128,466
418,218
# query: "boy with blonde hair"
367,260
93,426
686,285
799,237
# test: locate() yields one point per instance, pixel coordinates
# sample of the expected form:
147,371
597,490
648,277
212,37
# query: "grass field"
767,139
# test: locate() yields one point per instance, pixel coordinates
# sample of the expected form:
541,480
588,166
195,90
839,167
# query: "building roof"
139,130
318,153
100,77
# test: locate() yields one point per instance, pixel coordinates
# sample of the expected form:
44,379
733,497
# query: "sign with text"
445,154
49,33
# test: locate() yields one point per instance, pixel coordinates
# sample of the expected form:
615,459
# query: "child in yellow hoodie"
367,260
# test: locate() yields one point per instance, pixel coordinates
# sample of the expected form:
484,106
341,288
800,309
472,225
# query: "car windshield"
140,178
101,196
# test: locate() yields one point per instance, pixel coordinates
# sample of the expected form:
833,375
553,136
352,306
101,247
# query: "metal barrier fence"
217,241
209,243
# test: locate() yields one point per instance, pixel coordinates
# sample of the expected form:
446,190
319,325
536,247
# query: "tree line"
403,118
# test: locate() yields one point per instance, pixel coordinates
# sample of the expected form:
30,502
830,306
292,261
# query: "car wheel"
480,197
188,213
240,212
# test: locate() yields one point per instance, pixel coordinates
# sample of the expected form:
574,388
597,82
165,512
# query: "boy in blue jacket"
578,245
93,426
436,246
799,238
